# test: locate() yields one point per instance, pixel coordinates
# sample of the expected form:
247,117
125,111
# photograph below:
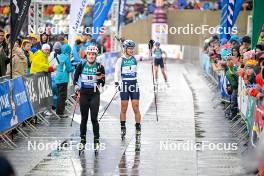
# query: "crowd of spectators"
237,59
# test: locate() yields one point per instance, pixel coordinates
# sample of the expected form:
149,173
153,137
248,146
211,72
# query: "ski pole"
75,106
108,105
151,43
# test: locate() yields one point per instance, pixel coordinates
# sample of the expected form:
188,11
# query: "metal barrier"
244,123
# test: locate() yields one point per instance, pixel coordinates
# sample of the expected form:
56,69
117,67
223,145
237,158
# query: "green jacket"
232,77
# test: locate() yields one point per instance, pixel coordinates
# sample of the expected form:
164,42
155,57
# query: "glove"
77,88
117,86
51,69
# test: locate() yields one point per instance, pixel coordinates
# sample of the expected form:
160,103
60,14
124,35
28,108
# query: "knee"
84,120
123,109
94,121
136,108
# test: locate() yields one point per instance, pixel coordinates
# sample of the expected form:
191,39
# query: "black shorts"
159,62
129,90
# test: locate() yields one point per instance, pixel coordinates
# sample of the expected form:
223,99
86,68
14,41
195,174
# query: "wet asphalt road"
186,113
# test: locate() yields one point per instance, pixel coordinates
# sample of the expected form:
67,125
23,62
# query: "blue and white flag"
101,9
122,12
238,6
229,14
76,17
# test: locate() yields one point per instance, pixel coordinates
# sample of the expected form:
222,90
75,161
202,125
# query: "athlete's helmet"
92,49
157,43
129,44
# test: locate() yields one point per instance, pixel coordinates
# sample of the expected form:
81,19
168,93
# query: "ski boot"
138,139
82,145
123,132
96,145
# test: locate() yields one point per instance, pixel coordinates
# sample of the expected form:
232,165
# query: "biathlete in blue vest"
126,82
92,76
159,61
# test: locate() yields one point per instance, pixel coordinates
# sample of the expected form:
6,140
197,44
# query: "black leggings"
62,97
89,102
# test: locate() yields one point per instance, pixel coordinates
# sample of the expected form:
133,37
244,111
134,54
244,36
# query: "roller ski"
96,146
82,145
123,133
138,140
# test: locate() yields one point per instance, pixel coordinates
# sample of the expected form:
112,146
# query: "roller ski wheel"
82,145
81,149
138,135
138,146
123,133
96,146
138,140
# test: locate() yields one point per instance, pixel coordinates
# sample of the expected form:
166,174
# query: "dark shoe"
123,132
96,145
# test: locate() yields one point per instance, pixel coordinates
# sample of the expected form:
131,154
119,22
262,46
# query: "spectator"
258,90
236,56
108,43
87,41
45,39
26,46
19,62
152,7
231,75
4,60
40,60
61,39
53,61
62,78
259,48
76,50
250,75
53,57
35,43
234,40
100,46
261,37
87,38
246,42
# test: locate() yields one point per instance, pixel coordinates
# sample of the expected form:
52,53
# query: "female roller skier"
92,76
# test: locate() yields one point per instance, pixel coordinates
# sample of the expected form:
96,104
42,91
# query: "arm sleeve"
118,70
77,74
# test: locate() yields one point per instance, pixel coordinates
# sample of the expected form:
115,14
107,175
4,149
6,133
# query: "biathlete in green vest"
126,75
159,61
91,75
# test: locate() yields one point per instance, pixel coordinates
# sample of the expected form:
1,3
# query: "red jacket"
259,84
